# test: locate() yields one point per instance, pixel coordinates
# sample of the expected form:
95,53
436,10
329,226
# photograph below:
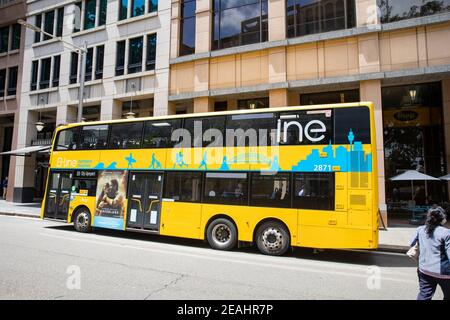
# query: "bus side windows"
183,186
158,134
226,188
85,187
126,135
314,191
67,139
270,190
356,119
93,137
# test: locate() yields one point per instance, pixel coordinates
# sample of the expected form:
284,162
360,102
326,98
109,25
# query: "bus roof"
220,113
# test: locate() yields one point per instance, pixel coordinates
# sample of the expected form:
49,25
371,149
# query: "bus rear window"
67,139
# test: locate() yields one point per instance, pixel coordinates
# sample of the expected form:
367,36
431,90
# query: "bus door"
58,195
144,200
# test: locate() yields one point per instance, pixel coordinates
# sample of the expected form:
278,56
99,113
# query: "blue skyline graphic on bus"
355,160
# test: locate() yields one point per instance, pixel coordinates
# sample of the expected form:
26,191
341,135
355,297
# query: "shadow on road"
365,258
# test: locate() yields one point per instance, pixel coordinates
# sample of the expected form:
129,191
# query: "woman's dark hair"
434,220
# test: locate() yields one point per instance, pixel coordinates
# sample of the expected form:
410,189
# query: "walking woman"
434,263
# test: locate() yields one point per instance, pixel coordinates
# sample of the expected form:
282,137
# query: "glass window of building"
137,7
183,186
220,106
123,9
305,17
89,14
89,64
44,79
59,22
56,70
100,57
152,5
238,23
74,68
102,12
34,75
135,55
345,96
120,58
258,103
151,52
392,11
4,39
49,23
226,188
187,29
37,23
12,81
15,36
2,82
413,140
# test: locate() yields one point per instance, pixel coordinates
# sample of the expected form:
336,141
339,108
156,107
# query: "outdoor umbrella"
446,178
412,176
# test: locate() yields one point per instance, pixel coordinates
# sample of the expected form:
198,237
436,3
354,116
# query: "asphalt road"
49,260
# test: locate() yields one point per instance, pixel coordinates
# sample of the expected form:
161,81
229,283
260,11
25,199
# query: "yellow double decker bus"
295,176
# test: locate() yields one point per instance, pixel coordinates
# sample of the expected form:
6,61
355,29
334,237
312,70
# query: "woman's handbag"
414,252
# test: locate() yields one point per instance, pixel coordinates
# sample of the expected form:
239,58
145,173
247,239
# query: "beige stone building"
11,63
228,55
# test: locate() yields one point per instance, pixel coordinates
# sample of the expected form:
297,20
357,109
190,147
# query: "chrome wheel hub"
272,239
221,234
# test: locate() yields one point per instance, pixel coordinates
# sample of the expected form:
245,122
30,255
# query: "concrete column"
277,65
12,161
371,91
175,29
66,114
203,26
369,53
278,98
24,173
277,20
161,98
110,109
201,75
446,110
367,13
203,104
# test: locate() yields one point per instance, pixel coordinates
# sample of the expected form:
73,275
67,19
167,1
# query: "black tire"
82,220
222,234
272,238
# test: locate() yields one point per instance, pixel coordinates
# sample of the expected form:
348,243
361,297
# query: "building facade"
127,72
11,65
149,57
228,55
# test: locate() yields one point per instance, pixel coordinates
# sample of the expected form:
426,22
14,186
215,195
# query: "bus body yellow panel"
181,219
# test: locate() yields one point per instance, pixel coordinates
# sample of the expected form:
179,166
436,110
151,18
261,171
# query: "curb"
393,248
25,215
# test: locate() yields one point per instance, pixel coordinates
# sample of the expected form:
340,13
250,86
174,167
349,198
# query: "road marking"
229,259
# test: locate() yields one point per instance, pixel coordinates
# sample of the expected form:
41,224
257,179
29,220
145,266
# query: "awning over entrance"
25,152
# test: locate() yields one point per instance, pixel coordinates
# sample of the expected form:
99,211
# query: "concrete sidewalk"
30,210
395,239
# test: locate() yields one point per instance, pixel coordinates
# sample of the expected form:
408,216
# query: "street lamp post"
81,50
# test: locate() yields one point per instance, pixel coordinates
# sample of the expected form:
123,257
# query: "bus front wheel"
272,238
82,220
222,234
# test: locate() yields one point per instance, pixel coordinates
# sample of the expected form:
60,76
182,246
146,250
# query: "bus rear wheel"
82,220
272,238
222,234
